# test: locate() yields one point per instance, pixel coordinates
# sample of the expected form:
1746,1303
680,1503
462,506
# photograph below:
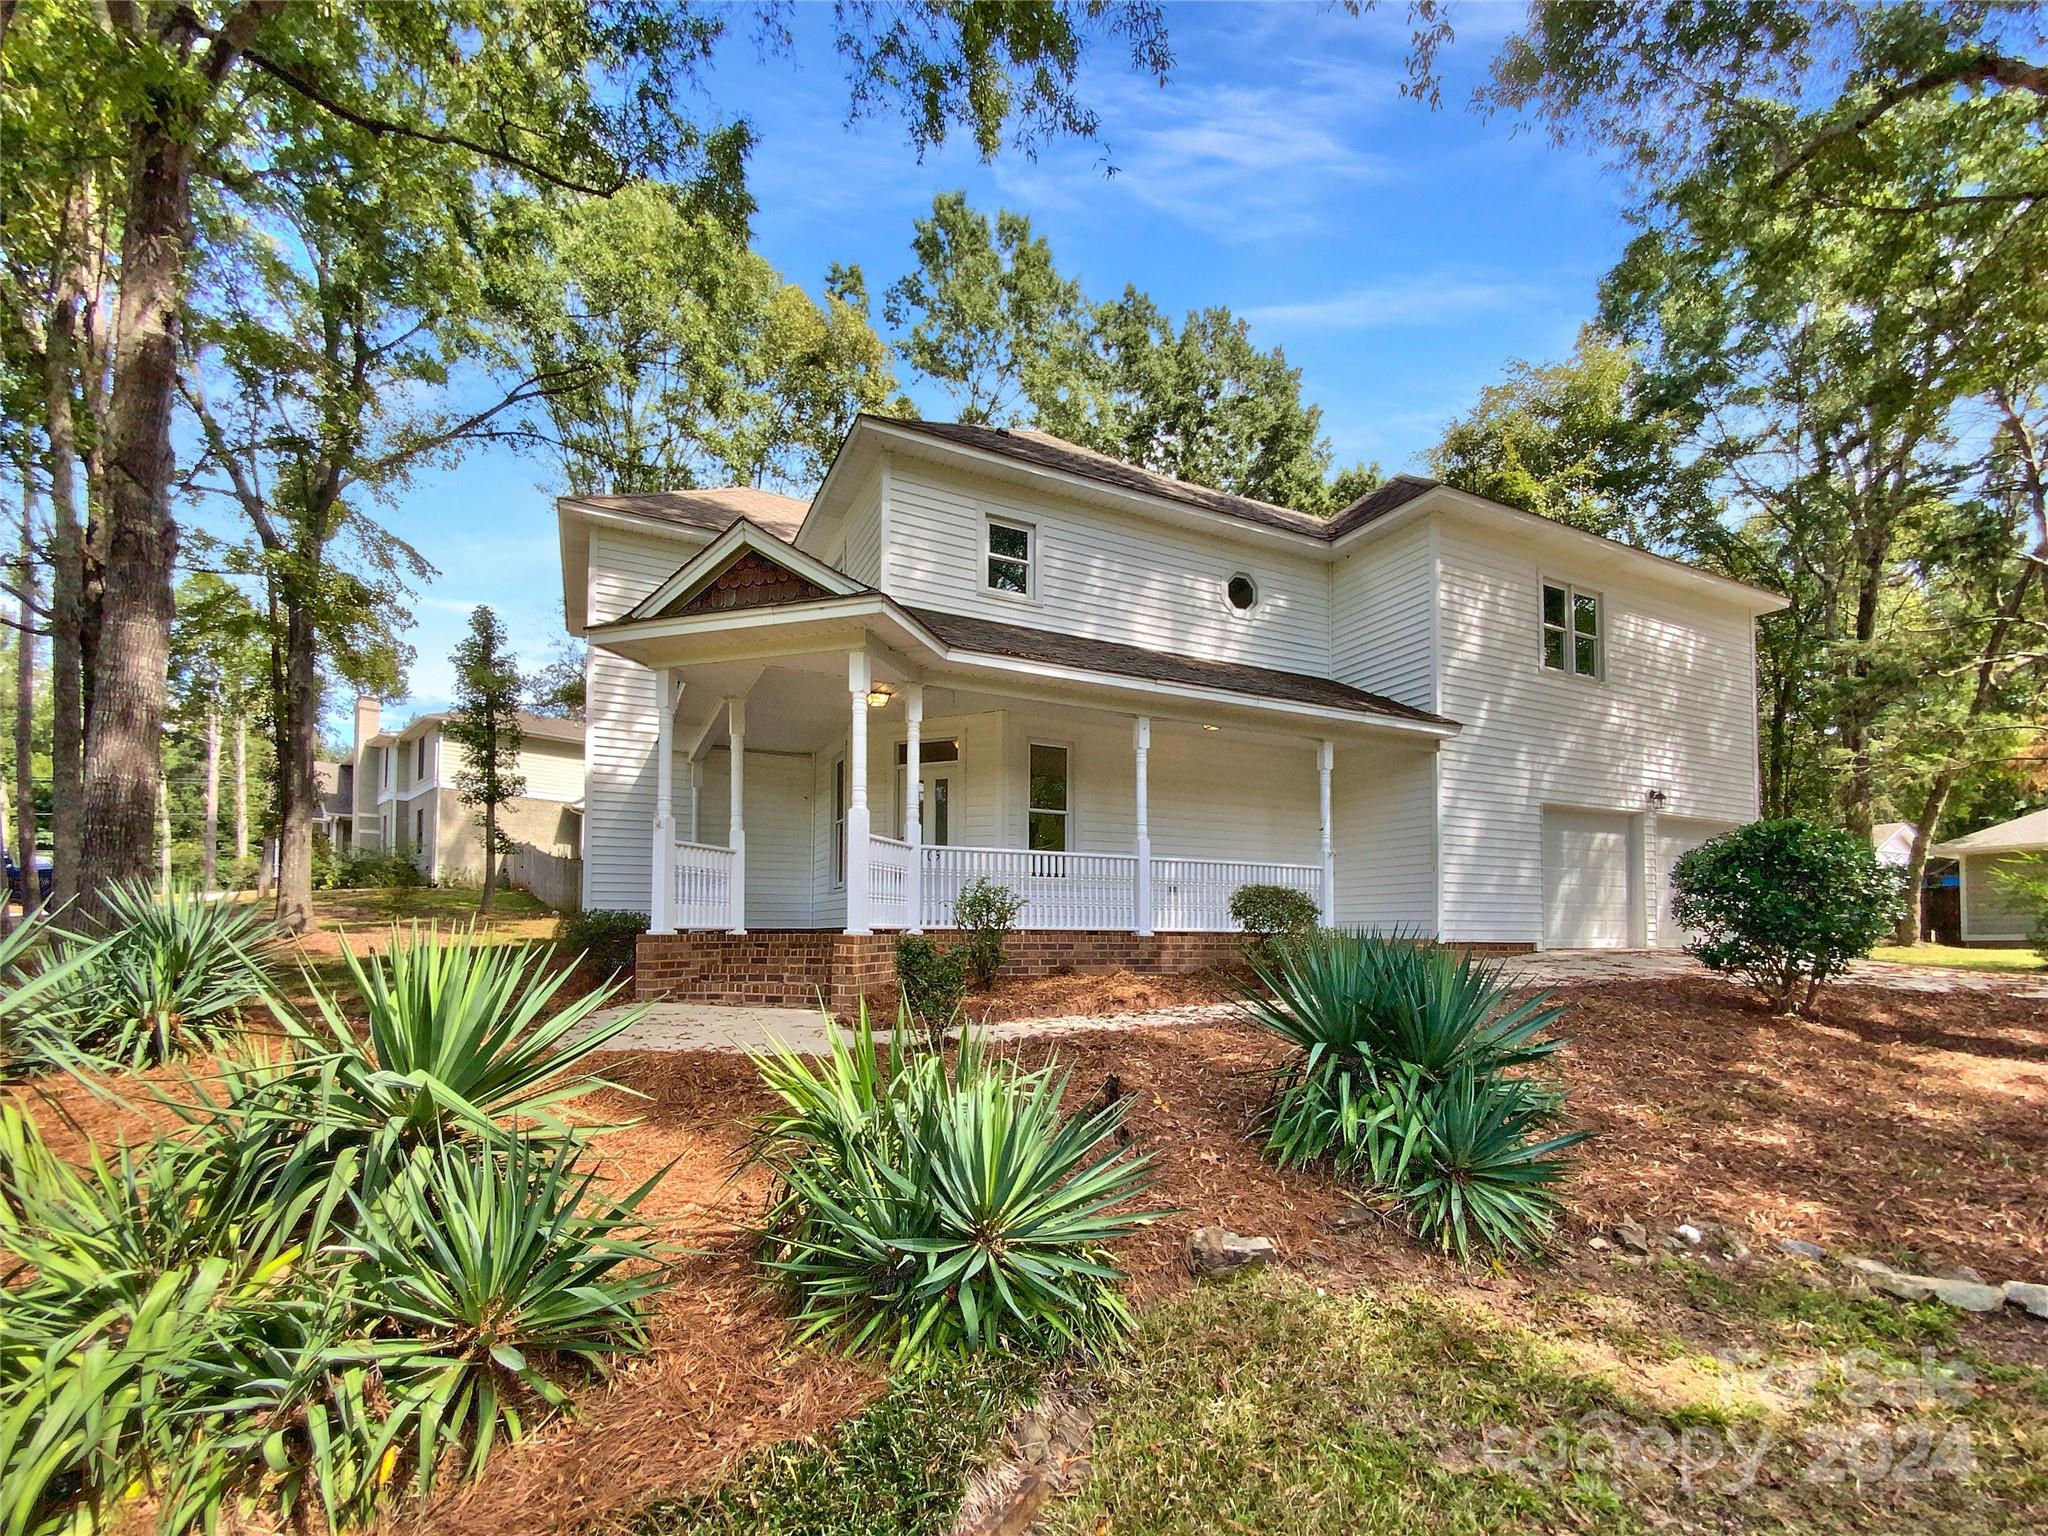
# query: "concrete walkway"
707,1027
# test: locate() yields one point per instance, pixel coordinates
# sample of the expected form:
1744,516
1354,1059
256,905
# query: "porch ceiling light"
879,696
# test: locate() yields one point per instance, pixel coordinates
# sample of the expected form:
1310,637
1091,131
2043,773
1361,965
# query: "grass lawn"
2015,959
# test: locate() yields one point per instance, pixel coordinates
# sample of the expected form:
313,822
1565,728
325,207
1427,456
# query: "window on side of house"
419,828
419,771
1050,804
1010,558
838,823
1572,638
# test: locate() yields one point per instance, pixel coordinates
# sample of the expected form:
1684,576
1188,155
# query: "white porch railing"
703,886
888,882
1060,890
1193,895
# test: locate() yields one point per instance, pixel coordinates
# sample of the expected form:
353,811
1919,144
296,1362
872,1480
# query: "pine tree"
484,725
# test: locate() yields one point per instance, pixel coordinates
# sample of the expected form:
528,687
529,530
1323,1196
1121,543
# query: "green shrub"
987,913
1408,1072
923,1209
169,976
358,1265
1271,915
367,869
604,938
932,981
1785,904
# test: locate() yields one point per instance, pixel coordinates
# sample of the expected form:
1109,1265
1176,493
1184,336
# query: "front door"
939,779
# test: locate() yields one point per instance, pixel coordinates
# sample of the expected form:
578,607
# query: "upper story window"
1011,552
1572,639
419,771
1242,591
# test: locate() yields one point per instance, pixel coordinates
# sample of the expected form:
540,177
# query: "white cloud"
1419,300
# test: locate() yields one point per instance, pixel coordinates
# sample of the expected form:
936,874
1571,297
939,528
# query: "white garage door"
1675,839
1586,880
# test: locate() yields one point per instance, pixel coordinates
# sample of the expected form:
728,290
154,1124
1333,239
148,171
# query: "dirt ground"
1094,996
1903,1124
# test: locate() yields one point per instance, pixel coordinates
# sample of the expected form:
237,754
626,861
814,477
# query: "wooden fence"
554,880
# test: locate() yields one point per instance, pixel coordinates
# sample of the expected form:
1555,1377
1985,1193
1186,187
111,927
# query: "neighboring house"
988,652
405,798
1892,842
334,813
1992,912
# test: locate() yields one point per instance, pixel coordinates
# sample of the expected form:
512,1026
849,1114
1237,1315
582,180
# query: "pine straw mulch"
1097,995
1900,1121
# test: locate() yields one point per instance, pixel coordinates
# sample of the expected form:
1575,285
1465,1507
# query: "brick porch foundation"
795,968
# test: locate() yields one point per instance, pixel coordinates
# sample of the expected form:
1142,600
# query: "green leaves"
924,1210
360,1262
1785,904
1409,1074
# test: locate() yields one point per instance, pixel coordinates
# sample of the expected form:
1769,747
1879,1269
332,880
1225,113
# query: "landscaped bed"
1909,1125
1905,1125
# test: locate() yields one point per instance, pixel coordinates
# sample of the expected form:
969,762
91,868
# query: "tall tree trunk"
67,590
298,722
25,719
7,897
123,748
241,785
209,827
490,857
1936,801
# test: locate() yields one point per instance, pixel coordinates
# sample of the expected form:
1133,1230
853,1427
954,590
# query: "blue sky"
1402,257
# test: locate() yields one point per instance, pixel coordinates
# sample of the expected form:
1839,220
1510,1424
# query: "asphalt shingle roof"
713,510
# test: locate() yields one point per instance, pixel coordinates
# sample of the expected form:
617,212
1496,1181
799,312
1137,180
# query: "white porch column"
1326,759
696,801
661,893
858,678
736,820
1652,895
1142,844
913,800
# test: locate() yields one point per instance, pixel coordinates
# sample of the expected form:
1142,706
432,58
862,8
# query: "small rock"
2030,1298
1672,1241
1965,1295
1220,1251
1599,1244
1908,1287
1958,1272
1799,1248
1873,1269
1726,1241
1351,1218
1689,1234
1631,1238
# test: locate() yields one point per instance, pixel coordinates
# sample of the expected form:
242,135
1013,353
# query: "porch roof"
975,644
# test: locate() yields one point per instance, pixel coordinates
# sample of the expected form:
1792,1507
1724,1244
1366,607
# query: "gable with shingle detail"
752,581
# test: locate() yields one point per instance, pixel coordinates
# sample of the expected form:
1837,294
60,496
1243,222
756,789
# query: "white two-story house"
987,652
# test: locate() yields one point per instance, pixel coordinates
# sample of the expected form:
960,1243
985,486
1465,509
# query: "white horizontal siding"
1382,598
860,547
553,770
1990,910
1383,811
778,818
620,725
1675,712
1104,576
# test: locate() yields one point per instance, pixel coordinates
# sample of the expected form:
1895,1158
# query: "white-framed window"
1010,563
1573,638
941,752
419,770
838,823
419,828
1049,806
1241,592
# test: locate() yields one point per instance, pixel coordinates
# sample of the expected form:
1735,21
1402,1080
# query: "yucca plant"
172,974
41,992
460,1038
499,1270
1408,1072
922,1208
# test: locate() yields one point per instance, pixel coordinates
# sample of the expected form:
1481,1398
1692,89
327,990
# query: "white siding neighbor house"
1993,912
403,795
988,652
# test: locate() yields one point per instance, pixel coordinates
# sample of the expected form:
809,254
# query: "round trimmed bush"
1785,904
